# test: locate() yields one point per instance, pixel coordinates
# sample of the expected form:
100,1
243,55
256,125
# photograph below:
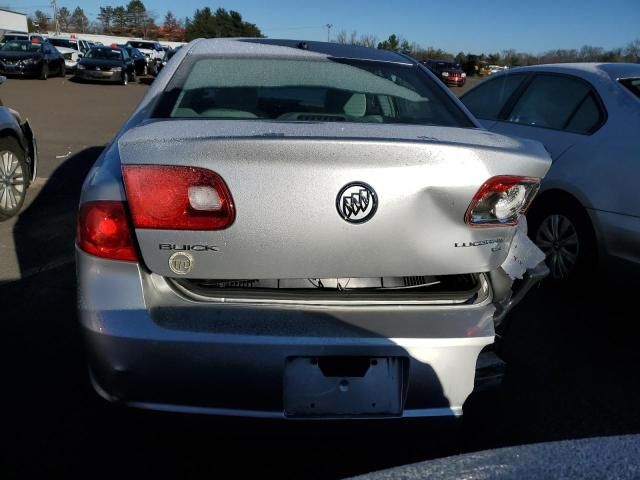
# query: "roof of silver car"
235,47
586,70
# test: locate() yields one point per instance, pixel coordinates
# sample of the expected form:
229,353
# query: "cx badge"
357,202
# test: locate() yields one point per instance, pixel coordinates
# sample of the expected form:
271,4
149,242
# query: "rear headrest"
340,101
356,106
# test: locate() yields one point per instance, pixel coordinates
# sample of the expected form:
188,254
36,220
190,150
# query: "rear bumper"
150,347
101,76
236,376
454,81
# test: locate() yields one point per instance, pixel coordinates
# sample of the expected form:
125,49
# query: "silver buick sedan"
301,230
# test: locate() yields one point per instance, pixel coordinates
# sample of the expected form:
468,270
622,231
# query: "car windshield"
633,84
145,45
63,42
303,90
8,38
104,54
21,46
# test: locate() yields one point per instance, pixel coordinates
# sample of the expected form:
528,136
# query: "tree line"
510,57
134,20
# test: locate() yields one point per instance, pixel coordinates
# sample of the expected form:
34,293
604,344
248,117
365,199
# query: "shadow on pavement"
572,370
45,231
41,351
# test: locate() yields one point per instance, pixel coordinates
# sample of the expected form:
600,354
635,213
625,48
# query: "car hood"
66,50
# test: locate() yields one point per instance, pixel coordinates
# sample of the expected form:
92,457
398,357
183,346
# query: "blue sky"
462,25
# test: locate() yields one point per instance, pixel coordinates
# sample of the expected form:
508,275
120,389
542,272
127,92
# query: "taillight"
501,201
103,230
177,198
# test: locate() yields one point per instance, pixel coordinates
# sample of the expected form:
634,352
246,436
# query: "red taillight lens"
177,198
103,230
501,201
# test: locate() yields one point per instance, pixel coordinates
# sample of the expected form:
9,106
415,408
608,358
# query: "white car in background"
496,68
153,51
72,49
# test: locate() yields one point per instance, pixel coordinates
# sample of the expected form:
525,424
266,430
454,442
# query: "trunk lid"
285,180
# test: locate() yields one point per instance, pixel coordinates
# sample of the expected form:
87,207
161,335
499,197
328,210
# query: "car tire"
562,229
14,177
132,77
44,72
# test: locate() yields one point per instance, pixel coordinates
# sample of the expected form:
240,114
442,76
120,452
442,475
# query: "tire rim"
557,237
11,181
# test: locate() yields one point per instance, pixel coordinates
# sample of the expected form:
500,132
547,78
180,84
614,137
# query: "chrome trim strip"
482,296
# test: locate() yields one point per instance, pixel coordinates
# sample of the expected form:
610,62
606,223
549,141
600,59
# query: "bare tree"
42,19
369,41
64,18
632,51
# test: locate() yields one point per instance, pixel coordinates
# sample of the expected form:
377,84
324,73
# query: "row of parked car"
35,56
120,63
452,74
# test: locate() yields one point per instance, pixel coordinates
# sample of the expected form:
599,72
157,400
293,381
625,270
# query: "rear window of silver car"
327,90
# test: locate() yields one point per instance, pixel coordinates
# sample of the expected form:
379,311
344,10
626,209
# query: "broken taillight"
501,201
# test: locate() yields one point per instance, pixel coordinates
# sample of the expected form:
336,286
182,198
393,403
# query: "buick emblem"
357,202
181,263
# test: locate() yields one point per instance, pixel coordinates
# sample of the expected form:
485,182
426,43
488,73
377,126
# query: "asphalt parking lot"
571,367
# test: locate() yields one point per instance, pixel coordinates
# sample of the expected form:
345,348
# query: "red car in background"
449,72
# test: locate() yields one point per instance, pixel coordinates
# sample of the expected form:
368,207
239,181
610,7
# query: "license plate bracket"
313,391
